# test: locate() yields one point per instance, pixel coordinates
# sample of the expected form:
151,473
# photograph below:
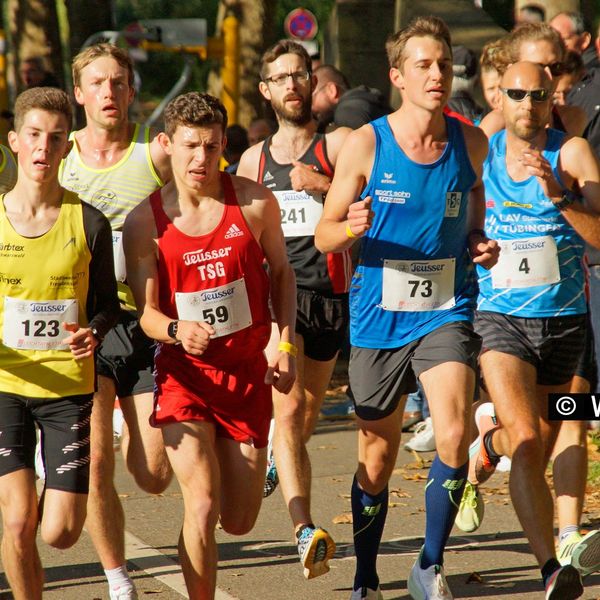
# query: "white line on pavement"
136,550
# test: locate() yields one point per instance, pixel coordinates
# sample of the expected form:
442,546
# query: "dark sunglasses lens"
556,68
516,95
539,95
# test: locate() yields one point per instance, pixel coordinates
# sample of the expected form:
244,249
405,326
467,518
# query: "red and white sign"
301,24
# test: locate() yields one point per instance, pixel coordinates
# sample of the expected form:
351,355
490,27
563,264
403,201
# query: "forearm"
333,236
585,222
283,298
155,324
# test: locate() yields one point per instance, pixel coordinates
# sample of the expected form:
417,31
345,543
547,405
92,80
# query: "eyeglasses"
540,95
556,68
298,77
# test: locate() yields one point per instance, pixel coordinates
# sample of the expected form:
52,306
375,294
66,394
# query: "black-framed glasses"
298,77
517,95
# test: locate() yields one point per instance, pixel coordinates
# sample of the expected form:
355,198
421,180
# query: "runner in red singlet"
195,250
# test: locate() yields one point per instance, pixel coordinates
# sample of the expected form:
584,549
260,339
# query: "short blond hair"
50,99
534,32
91,53
432,27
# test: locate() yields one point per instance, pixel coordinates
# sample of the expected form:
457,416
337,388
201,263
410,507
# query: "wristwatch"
172,329
568,198
97,335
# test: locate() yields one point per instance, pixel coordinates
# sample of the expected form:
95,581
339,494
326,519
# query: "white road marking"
137,550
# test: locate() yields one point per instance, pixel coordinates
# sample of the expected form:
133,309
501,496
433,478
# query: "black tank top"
328,274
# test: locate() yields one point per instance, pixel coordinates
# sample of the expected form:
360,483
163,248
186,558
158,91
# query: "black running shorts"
126,356
380,377
65,437
322,322
553,345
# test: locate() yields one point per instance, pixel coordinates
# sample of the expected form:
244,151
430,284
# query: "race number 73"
426,286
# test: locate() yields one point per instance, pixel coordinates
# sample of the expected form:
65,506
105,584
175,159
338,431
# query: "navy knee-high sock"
368,519
442,498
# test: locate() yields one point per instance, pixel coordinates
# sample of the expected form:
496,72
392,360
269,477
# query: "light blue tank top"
414,273
546,278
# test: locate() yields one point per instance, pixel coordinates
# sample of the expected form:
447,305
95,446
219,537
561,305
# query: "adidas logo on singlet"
267,176
233,231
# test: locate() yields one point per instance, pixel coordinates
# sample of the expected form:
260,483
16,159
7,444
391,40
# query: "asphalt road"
493,563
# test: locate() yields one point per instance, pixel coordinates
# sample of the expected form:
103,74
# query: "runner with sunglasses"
539,43
541,203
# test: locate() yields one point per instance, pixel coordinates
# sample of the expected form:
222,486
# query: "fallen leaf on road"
474,578
343,519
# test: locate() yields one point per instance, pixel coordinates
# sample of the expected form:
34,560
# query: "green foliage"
163,68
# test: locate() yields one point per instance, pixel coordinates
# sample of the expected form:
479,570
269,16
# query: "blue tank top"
540,272
414,272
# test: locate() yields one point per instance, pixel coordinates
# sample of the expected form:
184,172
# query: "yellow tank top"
8,170
115,191
43,281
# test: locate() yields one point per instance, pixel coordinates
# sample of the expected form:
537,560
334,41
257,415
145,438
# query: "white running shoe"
123,593
366,593
424,438
428,584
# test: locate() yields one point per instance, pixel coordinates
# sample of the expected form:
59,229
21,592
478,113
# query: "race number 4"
526,262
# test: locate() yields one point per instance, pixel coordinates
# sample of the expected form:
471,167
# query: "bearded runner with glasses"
297,164
542,202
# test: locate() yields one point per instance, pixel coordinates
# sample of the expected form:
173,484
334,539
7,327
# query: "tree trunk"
86,18
33,27
257,24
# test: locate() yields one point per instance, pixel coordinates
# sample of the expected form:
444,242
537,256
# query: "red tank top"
218,278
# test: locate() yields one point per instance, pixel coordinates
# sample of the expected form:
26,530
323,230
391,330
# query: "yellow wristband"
349,232
289,348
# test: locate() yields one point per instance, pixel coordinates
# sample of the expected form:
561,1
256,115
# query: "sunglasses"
540,95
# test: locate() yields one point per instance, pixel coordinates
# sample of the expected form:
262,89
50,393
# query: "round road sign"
301,24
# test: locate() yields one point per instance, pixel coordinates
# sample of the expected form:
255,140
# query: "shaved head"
526,75
526,99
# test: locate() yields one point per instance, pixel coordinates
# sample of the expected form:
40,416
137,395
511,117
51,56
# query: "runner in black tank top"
297,164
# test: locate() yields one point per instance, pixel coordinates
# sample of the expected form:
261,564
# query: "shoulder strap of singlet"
264,154
160,217
320,150
229,195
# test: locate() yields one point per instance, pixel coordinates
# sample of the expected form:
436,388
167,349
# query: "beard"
527,132
296,116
